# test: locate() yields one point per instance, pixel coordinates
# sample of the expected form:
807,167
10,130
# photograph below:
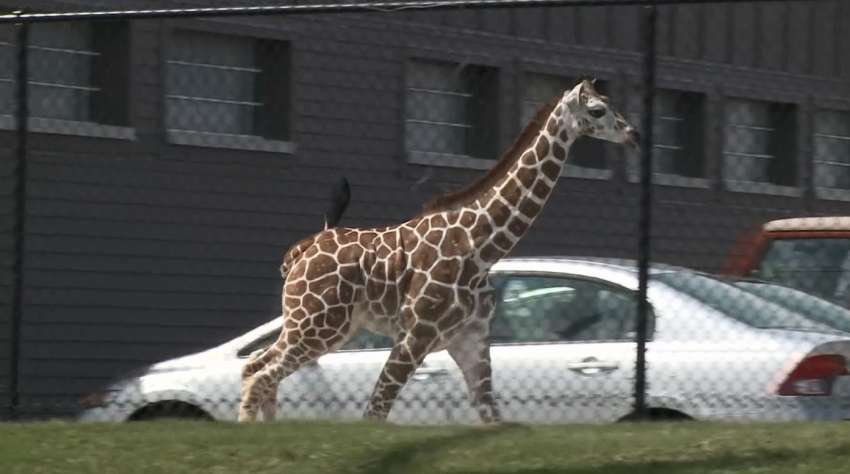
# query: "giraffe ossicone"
424,282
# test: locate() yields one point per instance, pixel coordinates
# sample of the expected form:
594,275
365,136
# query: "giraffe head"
591,115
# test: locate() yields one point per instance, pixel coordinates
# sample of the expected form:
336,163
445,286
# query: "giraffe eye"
597,112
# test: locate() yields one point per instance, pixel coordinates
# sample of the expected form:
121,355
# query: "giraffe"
424,282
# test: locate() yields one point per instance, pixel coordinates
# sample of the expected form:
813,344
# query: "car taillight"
814,376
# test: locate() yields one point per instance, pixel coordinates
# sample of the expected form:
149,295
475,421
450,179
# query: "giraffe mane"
506,161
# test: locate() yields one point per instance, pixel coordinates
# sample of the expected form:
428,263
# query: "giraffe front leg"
471,351
404,359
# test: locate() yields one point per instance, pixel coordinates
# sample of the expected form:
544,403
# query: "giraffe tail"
340,198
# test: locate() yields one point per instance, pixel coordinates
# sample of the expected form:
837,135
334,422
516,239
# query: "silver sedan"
563,351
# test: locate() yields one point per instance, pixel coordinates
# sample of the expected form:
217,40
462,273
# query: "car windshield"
816,309
734,302
820,266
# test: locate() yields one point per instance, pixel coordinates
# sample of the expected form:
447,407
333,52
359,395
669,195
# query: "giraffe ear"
583,90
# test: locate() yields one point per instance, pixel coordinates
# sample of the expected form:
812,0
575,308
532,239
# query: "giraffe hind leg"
293,350
268,406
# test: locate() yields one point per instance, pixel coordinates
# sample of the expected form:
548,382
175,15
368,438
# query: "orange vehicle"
808,253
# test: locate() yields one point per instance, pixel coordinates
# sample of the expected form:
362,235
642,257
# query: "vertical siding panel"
530,22
799,25
592,26
715,33
496,21
562,25
772,38
744,34
825,42
466,19
626,28
664,30
843,53
686,31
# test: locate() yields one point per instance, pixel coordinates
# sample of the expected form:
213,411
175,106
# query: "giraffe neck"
518,197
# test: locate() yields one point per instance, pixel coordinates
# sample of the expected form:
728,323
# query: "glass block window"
677,133
831,143
539,89
78,71
211,83
451,110
759,142
61,58
7,70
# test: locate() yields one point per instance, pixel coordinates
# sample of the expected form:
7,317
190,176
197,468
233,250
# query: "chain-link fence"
158,167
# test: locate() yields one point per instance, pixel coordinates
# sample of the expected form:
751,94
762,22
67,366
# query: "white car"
563,351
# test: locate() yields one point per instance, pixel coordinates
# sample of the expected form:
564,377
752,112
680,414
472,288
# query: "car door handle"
593,366
428,373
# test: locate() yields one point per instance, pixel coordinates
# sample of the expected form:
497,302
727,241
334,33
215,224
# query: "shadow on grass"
400,459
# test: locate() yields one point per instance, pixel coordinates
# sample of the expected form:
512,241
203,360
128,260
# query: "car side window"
549,309
362,340
261,342
367,340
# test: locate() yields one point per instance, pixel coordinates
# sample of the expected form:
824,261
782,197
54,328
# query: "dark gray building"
172,162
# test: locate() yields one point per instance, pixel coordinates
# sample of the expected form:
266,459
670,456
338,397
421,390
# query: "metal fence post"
21,114
649,18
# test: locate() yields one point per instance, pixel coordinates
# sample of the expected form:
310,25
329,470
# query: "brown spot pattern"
526,177
541,189
542,148
552,126
500,213
551,170
456,243
559,151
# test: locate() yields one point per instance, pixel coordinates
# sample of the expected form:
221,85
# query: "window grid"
831,140
444,130
747,137
65,96
198,65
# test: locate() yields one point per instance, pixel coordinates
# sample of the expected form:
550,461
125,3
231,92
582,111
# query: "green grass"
305,448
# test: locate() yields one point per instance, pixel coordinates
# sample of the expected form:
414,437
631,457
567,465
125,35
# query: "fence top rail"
345,7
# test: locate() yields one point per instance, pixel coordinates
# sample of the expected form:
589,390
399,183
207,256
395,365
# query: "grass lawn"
305,448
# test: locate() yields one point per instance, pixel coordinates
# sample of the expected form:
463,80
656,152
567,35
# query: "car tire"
658,414
170,410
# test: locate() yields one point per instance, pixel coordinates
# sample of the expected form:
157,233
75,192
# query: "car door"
562,348
338,385
344,381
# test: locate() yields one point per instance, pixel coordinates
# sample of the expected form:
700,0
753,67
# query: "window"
760,143
832,149
261,342
820,266
539,89
736,303
363,339
677,134
77,72
451,110
219,84
548,309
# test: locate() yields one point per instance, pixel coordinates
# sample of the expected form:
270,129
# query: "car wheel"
172,410
658,414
